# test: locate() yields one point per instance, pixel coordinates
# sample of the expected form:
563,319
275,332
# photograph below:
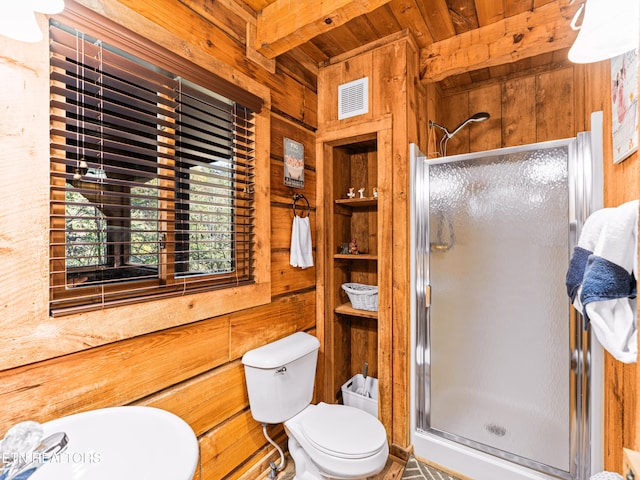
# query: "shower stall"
506,384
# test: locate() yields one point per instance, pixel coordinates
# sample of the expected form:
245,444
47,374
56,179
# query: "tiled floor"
394,470
415,470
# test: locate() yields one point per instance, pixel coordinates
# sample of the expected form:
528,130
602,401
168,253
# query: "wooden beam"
286,24
543,30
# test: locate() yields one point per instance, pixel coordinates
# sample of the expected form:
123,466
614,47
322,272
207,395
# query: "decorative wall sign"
293,163
624,104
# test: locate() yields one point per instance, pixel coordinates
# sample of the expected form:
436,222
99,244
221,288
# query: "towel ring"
299,196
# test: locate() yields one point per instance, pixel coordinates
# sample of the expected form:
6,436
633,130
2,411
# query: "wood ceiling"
460,41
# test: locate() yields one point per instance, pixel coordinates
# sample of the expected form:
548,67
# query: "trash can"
361,393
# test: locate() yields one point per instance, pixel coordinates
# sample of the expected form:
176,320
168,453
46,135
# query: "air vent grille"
353,98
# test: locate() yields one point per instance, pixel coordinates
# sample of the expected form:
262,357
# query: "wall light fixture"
609,28
18,17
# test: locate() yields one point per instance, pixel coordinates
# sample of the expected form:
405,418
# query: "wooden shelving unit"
361,212
353,335
366,151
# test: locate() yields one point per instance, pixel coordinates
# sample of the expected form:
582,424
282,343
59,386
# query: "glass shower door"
498,366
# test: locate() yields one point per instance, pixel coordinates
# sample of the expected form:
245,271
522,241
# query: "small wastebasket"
361,393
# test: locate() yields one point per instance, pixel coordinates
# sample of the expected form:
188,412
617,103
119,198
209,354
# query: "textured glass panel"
499,320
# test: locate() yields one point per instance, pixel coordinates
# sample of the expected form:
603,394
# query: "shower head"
478,117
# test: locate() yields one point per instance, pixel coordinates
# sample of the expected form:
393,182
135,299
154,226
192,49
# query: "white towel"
589,237
611,311
301,254
592,228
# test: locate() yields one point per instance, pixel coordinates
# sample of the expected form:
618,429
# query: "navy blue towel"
575,273
605,280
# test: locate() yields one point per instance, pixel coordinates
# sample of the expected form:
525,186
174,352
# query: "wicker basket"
363,297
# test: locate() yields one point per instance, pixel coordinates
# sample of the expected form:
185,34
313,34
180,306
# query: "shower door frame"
582,201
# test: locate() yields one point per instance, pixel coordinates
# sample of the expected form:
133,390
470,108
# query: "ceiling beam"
543,30
286,24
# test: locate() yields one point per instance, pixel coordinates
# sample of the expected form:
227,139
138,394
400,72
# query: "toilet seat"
336,441
343,432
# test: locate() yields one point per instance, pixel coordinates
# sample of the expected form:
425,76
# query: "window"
152,176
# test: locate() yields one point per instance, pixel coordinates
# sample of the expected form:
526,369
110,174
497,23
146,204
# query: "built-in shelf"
359,256
357,202
347,309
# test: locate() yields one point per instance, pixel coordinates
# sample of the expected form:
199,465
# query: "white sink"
123,443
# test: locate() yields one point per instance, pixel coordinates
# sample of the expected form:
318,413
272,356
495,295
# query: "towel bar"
299,196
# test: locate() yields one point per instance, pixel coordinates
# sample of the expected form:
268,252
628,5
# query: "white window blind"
151,179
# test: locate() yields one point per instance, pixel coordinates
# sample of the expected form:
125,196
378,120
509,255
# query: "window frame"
257,291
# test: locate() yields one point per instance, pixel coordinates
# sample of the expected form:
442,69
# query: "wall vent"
353,98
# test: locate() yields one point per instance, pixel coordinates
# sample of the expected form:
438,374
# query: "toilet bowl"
326,441
336,441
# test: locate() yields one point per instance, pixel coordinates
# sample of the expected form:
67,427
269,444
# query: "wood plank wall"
524,109
193,370
547,105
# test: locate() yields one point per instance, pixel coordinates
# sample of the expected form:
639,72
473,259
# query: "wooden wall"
193,370
525,109
553,103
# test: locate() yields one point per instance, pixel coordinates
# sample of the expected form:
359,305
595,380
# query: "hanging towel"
301,254
586,244
608,294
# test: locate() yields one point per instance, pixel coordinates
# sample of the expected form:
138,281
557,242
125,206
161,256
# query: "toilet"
326,441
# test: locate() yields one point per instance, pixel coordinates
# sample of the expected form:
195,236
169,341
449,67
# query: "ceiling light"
18,21
609,28
47,6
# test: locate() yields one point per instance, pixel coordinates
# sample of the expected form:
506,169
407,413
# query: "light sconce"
18,17
609,28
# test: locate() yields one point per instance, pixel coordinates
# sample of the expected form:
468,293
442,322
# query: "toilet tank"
280,377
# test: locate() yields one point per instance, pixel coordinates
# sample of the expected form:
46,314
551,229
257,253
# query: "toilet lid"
343,431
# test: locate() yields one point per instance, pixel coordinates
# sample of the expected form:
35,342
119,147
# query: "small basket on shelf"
362,297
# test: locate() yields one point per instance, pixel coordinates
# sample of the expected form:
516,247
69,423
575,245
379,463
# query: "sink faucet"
23,450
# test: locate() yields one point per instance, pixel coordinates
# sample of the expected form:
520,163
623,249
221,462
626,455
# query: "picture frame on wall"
624,105
293,163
